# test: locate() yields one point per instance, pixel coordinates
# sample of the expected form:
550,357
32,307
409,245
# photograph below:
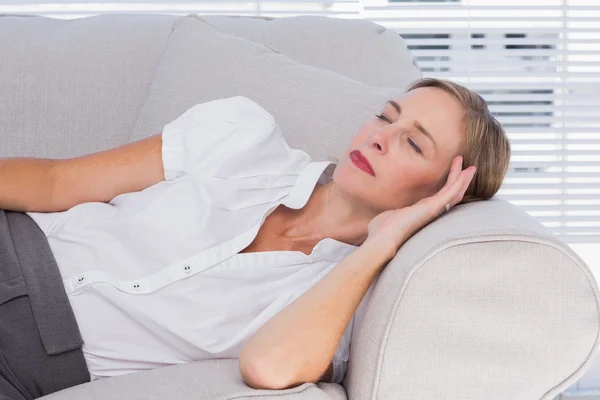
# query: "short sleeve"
206,133
342,354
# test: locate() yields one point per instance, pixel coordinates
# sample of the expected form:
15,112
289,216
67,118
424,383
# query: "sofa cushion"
71,87
317,110
357,48
202,380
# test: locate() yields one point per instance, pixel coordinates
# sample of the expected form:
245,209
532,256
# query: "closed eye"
413,144
383,117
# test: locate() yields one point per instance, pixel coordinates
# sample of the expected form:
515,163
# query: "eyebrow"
415,123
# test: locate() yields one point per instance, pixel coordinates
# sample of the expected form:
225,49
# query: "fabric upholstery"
211,379
359,49
72,87
484,303
318,110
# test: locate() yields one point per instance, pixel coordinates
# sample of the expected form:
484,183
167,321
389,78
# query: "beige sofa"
483,303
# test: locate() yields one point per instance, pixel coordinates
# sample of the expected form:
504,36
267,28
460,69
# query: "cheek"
363,133
408,177
359,140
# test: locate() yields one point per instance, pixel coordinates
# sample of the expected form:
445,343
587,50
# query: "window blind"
536,62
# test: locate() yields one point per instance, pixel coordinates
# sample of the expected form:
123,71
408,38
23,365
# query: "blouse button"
136,286
80,280
187,269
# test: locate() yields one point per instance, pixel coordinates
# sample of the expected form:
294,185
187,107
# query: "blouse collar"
313,172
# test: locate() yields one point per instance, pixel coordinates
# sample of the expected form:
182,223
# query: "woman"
215,239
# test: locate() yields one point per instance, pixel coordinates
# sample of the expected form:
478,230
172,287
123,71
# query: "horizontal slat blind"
537,63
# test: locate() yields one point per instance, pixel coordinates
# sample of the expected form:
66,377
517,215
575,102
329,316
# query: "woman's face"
408,165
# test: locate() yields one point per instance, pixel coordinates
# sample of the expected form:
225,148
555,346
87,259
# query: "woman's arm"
25,183
49,185
101,176
298,344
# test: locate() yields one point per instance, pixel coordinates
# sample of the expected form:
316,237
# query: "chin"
346,177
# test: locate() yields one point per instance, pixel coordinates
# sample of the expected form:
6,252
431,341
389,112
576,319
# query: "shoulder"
231,131
236,109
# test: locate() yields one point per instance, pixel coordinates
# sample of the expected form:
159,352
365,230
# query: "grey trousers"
40,342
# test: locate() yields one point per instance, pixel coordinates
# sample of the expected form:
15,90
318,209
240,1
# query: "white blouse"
154,277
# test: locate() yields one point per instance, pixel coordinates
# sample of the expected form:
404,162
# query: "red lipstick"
361,161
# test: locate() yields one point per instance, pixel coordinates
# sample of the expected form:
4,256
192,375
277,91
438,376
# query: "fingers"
456,185
455,169
453,191
469,174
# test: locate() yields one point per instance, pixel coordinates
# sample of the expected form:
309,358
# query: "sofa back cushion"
71,87
359,49
317,110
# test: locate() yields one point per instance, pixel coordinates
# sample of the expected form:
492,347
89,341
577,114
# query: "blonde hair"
486,145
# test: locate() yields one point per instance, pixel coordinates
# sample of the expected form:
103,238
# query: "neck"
327,214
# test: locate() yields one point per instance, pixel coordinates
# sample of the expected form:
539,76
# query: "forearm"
298,343
26,184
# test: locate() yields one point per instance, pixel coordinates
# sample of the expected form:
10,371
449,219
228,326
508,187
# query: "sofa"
482,303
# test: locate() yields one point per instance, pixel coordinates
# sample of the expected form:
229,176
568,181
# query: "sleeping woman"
214,239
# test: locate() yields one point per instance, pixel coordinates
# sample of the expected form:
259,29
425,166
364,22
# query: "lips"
363,160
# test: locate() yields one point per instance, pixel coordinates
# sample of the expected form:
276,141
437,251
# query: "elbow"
263,375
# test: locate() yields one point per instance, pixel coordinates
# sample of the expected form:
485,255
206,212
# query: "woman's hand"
394,227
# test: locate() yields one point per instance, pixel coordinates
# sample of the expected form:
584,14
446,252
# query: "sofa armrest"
484,302
200,380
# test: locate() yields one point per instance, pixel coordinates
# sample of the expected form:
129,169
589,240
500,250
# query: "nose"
379,140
